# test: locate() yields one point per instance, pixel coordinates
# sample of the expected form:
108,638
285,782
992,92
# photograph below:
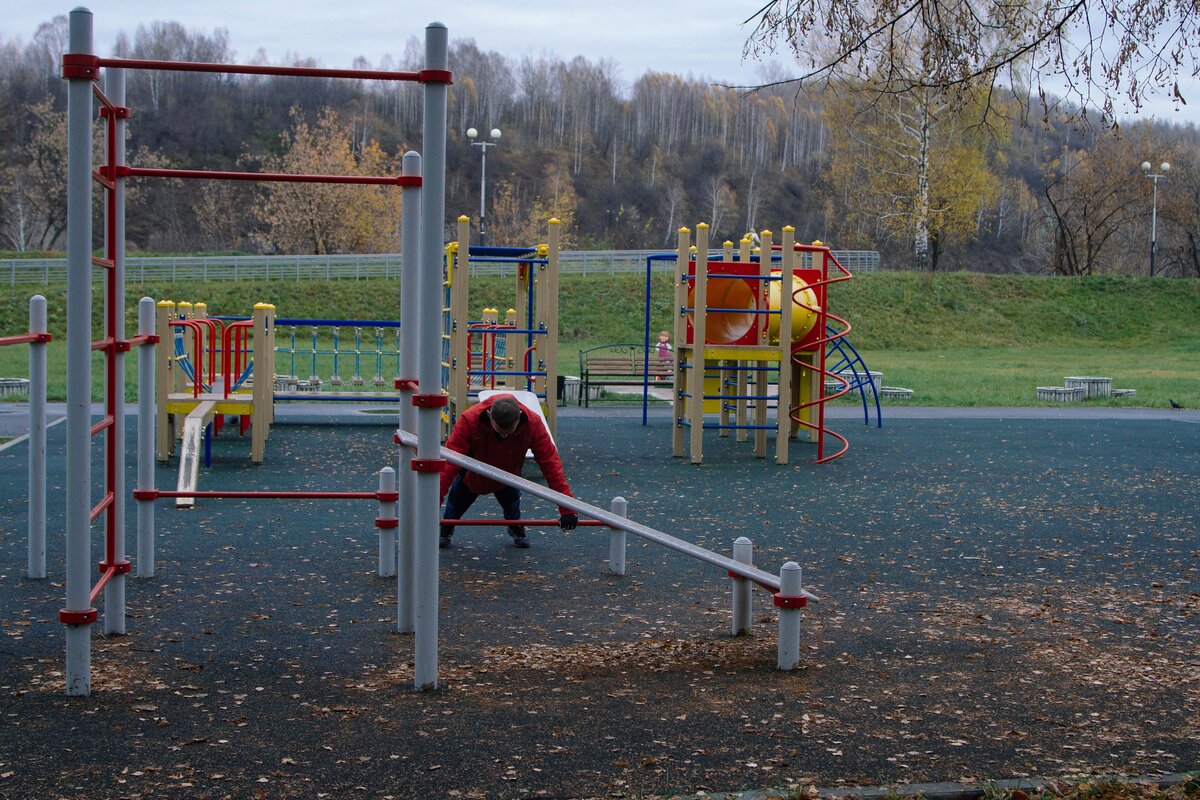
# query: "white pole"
114,592
145,440
386,522
790,600
37,440
433,212
743,551
78,614
410,288
616,538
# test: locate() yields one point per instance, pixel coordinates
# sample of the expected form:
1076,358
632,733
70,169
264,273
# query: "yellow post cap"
263,306
700,225
183,304
544,249
684,229
555,221
767,232
818,243
727,243
166,303
464,218
789,228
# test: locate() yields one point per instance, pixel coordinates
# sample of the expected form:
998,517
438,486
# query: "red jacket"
473,437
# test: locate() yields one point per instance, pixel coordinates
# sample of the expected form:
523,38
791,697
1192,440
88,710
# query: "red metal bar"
279,177
261,69
25,338
106,263
107,422
102,505
154,494
231,352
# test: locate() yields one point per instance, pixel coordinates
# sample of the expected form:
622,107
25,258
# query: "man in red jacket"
497,431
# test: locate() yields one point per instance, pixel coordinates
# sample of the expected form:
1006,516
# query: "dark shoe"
520,541
444,543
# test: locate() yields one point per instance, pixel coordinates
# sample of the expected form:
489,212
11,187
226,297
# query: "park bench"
622,365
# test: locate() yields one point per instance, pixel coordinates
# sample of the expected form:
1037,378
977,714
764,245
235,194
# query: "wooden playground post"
547,311
762,325
164,371
728,367
743,376
783,418
458,274
262,380
699,332
682,351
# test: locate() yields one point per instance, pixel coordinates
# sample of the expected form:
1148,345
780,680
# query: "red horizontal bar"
100,178
25,338
144,495
528,523
103,504
141,339
102,344
258,69
107,263
281,177
101,425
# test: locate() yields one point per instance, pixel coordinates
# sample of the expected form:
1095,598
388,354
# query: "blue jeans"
460,498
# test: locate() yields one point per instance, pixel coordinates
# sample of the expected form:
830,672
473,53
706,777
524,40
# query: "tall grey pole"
483,146
145,439
78,615
37,440
114,592
1153,225
433,212
410,287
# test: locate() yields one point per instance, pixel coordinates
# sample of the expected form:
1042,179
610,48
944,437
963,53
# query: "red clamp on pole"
406,384
119,112
427,464
117,567
145,494
431,400
789,602
80,65
67,617
427,75
387,497
387,523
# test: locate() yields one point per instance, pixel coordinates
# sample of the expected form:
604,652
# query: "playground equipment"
520,353
375,344
193,394
733,332
83,71
36,338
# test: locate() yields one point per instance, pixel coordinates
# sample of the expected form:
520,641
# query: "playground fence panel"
172,269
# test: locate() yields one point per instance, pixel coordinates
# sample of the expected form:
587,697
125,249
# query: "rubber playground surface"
1000,597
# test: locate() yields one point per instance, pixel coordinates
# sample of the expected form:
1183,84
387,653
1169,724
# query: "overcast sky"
703,38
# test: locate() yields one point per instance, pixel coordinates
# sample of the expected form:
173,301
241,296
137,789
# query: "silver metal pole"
37,440
387,535
616,538
114,592
743,552
433,212
145,439
78,615
1153,225
410,296
482,191
790,586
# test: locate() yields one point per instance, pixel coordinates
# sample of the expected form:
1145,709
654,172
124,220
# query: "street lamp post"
483,148
1154,176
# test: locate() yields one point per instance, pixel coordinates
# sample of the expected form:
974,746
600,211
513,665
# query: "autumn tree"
906,167
328,218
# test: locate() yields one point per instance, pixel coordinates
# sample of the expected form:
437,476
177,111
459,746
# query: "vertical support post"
165,369
743,551
789,600
684,352
387,522
263,393
699,332
410,266
145,438
548,312
37,440
458,270
78,614
616,538
433,212
762,379
783,416
114,592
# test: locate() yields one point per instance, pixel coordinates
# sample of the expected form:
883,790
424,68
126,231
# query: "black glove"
568,521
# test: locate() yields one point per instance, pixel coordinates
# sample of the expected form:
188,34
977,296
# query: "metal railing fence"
172,269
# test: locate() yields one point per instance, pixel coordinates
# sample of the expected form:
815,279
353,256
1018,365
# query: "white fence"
170,269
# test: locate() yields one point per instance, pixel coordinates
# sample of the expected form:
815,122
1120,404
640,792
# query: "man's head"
505,413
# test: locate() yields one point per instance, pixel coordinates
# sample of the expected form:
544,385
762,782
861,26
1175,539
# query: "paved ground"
1003,594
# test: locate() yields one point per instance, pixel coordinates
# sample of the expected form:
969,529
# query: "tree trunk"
921,211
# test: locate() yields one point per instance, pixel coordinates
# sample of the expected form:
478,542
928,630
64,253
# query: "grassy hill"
956,338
